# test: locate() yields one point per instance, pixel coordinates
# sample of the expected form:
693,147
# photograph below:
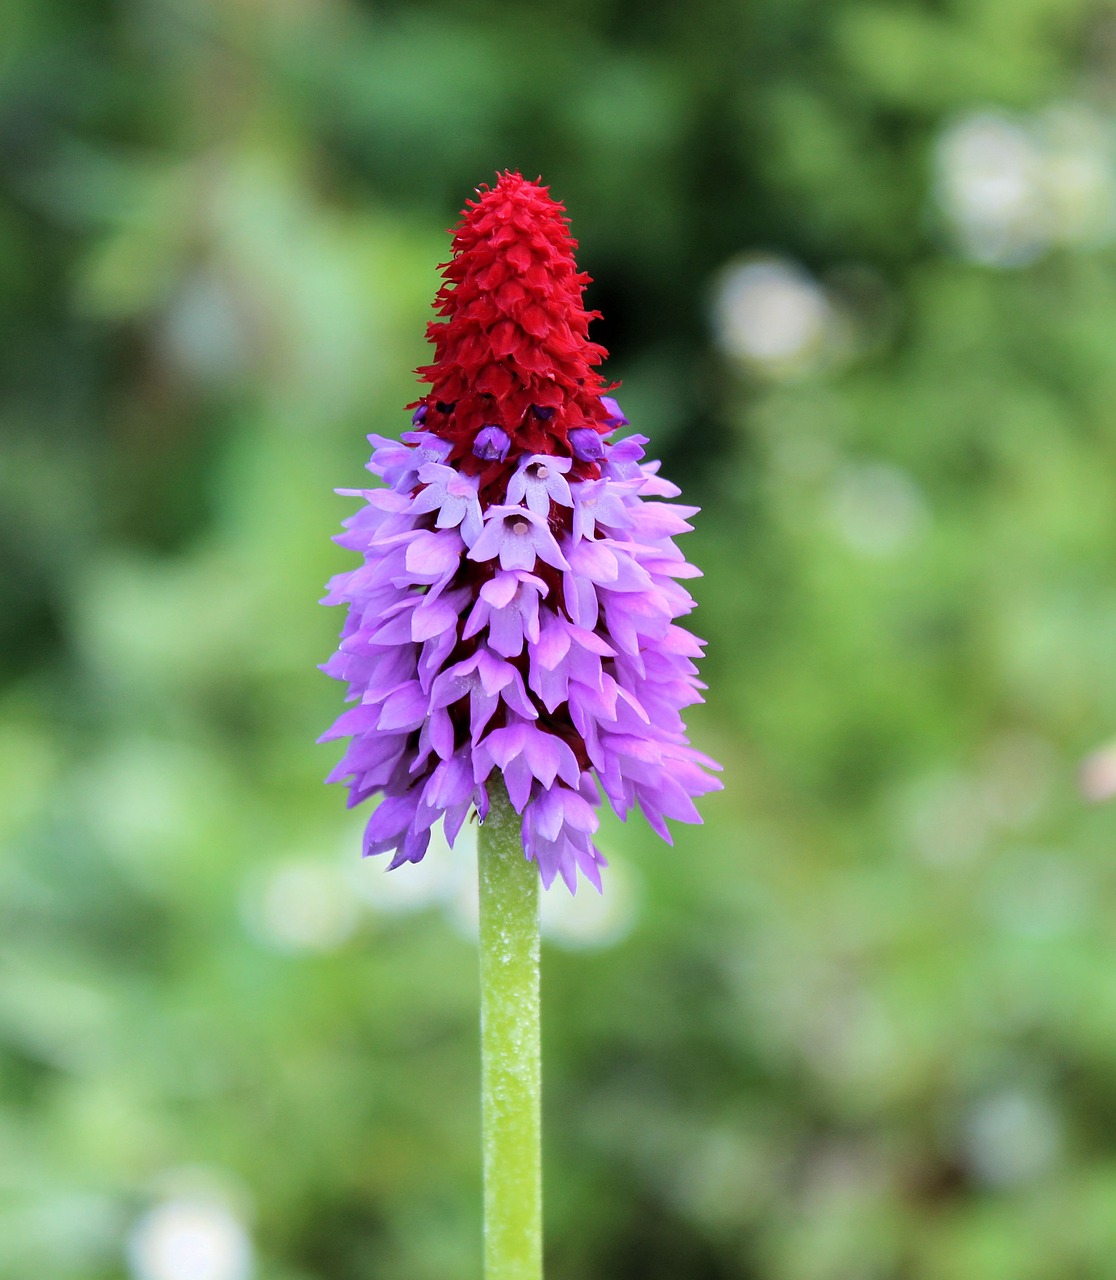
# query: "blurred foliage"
861,1025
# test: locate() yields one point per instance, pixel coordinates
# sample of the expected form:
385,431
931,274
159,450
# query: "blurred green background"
857,268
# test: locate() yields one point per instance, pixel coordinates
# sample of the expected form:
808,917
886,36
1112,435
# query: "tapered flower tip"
513,350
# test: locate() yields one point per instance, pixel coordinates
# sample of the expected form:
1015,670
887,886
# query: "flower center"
520,527
541,470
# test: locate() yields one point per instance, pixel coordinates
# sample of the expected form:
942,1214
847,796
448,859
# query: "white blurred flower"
1012,1137
590,920
1080,178
989,185
583,921
877,508
1097,775
416,886
303,905
190,1238
1010,187
203,329
772,314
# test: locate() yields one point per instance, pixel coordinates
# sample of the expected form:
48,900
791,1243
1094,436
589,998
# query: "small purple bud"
544,411
615,413
586,444
492,444
419,415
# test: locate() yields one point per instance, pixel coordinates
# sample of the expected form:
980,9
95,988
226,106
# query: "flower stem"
510,1059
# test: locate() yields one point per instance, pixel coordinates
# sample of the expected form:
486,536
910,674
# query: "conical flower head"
516,609
513,351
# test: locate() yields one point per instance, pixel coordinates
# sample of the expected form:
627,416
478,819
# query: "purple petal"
492,444
615,413
405,709
432,620
500,590
432,555
554,641
505,632
518,546
594,561
587,444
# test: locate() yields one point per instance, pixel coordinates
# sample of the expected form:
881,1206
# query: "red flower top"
513,352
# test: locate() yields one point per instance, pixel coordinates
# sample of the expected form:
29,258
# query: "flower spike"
516,611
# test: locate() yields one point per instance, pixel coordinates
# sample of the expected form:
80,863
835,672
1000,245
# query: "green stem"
510,1059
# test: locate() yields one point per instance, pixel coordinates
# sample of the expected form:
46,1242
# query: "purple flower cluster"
535,638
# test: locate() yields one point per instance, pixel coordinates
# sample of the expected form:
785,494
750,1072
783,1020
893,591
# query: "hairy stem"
510,1059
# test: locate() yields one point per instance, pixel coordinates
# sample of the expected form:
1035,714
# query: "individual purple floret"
530,632
539,480
518,536
492,444
453,496
615,413
399,464
586,444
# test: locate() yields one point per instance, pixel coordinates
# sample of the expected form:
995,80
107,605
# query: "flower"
615,414
586,444
516,609
541,480
517,535
492,443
